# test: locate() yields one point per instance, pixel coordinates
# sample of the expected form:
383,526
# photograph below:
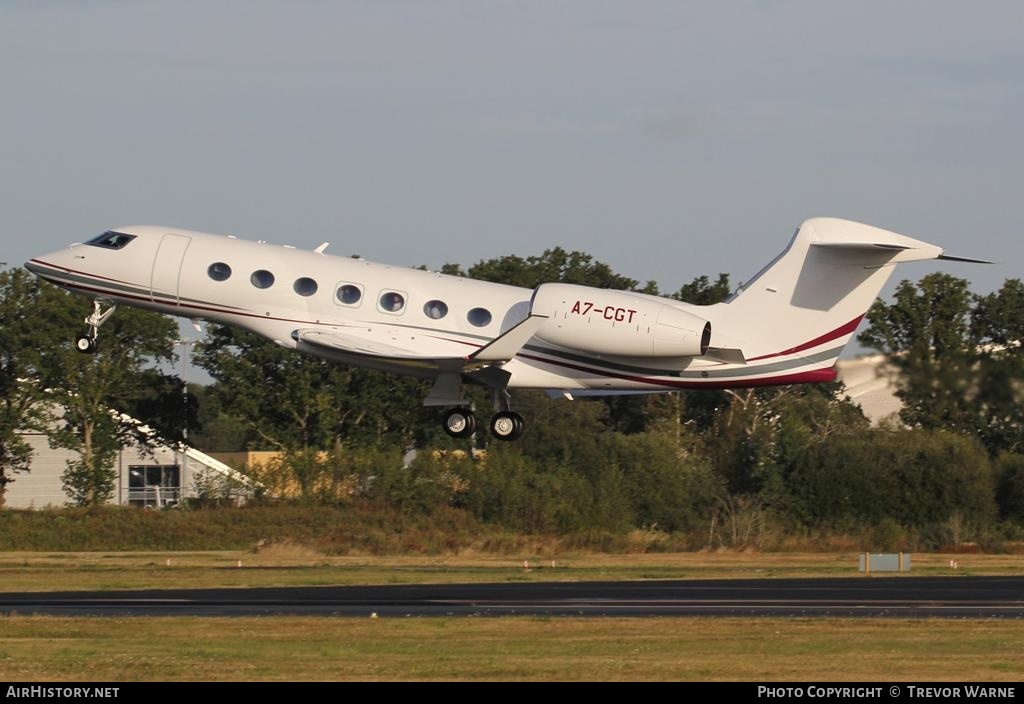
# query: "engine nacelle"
617,323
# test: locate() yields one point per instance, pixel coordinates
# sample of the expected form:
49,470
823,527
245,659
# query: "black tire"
507,425
85,344
459,422
520,425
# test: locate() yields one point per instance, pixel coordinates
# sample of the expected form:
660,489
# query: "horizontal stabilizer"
907,253
860,246
951,258
887,252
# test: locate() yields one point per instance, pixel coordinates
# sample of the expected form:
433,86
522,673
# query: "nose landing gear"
86,343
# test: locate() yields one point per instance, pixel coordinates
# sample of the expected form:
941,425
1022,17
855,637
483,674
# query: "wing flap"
343,346
352,344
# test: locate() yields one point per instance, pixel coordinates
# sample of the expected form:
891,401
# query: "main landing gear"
86,343
459,421
505,425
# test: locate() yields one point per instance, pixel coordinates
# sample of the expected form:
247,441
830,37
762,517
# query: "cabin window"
111,240
219,271
349,294
262,278
304,286
392,302
435,309
480,317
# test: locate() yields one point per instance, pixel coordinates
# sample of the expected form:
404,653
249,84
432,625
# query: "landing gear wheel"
507,425
85,344
459,422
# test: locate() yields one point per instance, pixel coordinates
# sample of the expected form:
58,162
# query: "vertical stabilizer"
809,300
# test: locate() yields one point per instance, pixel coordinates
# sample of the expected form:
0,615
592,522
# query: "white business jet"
787,325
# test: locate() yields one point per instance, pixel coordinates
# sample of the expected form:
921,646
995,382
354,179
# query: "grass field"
287,565
512,648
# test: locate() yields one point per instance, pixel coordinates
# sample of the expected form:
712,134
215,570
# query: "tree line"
730,467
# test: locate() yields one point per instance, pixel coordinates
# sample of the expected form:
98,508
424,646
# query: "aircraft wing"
415,349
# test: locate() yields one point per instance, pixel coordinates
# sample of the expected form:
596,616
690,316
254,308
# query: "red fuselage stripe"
846,329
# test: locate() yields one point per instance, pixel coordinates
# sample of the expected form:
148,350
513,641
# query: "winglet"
505,346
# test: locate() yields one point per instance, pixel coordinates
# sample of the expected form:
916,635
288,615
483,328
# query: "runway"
947,597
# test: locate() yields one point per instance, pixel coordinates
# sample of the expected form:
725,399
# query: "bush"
912,477
1009,472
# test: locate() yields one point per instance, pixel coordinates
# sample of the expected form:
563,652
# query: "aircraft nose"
36,268
46,266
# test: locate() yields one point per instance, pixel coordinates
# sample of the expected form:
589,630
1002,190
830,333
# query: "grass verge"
294,565
512,648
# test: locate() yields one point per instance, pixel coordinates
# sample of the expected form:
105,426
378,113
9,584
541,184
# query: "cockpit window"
111,240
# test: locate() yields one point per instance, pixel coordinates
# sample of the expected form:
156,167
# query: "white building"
157,478
871,383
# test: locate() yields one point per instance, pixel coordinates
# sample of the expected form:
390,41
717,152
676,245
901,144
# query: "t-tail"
807,303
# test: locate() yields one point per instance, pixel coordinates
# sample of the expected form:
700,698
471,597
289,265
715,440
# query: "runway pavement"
949,597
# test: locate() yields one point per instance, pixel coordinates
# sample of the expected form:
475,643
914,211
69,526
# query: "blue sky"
669,139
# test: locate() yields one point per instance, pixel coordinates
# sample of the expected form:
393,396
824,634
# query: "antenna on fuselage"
322,247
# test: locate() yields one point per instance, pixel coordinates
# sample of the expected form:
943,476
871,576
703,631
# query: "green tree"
524,494
960,357
554,265
668,488
913,477
702,292
925,334
754,440
997,336
1009,473
217,430
27,336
